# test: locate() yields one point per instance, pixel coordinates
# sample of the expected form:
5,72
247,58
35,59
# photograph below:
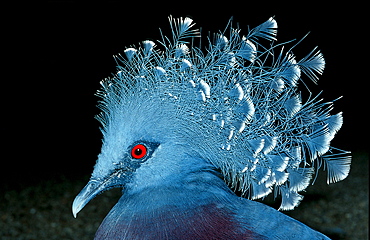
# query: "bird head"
168,112
145,143
137,137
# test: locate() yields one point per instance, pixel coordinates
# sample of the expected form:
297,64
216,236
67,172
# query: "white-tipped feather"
130,53
148,47
248,50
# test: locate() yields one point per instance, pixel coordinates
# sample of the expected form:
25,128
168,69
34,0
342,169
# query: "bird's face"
140,148
109,173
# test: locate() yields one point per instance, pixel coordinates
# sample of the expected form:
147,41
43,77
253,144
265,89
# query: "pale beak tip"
75,209
74,214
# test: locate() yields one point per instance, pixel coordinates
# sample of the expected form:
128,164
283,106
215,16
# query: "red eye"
139,151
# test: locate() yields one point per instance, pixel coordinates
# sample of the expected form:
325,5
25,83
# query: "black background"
58,53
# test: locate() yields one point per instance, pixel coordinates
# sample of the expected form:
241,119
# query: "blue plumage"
183,126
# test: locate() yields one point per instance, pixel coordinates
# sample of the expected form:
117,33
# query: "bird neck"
197,207
199,185
190,174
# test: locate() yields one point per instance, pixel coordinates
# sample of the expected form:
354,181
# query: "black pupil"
138,151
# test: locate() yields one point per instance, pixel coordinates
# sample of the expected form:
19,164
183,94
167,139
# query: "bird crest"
234,102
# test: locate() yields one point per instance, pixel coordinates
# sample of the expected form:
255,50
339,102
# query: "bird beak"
93,188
